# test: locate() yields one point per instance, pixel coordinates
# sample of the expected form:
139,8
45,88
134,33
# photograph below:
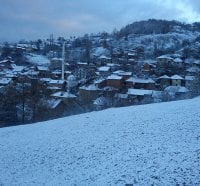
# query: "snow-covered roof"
45,79
125,73
5,81
99,81
23,45
63,95
17,68
197,62
157,94
57,81
56,59
140,80
131,60
11,75
6,60
192,61
176,89
164,77
82,63
183,89
193,69
100,101
121,96
103,69
148,61
118,71
56,72
189,78
108,88
131,54
164,57
91,87
53,88
176,77
42,68
1,87
31,72
104,57
139,92
178,60
112,65
114,77
53,103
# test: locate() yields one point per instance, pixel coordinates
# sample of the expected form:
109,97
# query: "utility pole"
63,61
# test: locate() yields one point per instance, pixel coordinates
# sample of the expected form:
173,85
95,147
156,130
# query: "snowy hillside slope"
37,59
143,145
169,41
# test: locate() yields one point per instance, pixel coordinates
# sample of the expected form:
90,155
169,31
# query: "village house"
176,92
196,63
103,60
6,64
56,74
131,55
192,63
125,75
5,81
43,71
164,61
45,80
140,83
82,65
65,96
104,71
164,64
164,81
102,102
55,63
137,95
113,66
89,93
57,83
115,81
57,107
110,91
70,103
100,83
31,73
193,71
11,75
189,82
177,80
148,67
2,74
178,62
17,69
122,99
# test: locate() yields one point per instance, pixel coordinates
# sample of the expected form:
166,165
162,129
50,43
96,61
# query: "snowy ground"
150,144
37,59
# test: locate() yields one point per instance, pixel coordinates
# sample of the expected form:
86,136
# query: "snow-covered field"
149,144
37,59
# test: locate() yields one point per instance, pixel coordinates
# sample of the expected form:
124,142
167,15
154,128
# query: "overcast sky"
32,19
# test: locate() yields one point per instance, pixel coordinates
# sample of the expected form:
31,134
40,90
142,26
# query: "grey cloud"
38,18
